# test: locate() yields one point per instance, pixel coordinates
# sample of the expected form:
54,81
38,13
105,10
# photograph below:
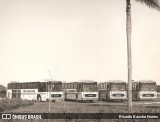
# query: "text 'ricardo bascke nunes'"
138,117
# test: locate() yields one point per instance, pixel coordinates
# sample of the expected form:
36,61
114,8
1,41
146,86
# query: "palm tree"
152,4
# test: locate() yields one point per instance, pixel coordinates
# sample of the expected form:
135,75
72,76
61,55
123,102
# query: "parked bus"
112,90
81,91
36,91
144,90
158,91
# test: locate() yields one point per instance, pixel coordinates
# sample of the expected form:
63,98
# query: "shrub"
8,104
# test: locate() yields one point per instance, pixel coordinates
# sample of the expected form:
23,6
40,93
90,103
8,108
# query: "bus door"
16,94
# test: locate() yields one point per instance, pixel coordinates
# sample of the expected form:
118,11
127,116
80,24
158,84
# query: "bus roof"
14,82
145,81
114,81
54,81
86,81
82,82
69,82
37,82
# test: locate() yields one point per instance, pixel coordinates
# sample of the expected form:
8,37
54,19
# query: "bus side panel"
28,96
70,96
103,95
134,95
79,96
158,95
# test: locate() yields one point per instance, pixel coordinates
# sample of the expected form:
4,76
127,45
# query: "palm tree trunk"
128,32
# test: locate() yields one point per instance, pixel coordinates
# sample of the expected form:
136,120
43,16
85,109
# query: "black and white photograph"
80,60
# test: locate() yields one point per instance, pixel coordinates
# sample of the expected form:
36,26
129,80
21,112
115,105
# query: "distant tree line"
2,91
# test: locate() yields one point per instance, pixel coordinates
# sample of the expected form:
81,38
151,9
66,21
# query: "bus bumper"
56,99
89,99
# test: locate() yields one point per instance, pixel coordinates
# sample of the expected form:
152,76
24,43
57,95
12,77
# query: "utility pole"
129,56
49,90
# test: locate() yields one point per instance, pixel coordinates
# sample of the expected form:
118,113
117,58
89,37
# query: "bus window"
79,87
71,85
34,85
148,87
9,86
85,87
56,87
75,85
30,85
117,87
19,86
93,87
27,86
42,87
63,85
13,86
24,86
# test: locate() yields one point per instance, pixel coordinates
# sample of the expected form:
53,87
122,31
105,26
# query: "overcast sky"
73,40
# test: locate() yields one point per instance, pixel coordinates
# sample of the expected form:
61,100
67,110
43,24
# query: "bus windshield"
57,87
148,87
118,87
89,87
54,87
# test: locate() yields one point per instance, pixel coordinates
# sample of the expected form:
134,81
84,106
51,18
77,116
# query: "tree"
152,4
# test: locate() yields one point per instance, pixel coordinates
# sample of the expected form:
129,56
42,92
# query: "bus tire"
39,98
77,98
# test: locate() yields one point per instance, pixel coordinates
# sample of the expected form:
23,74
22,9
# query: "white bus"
81,91
144,90
158,91
112,90
36,91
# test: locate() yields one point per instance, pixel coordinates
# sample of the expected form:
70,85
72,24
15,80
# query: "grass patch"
9,104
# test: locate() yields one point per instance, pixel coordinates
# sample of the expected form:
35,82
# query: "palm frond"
151,3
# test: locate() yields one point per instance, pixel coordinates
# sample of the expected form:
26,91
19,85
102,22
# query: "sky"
71,40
